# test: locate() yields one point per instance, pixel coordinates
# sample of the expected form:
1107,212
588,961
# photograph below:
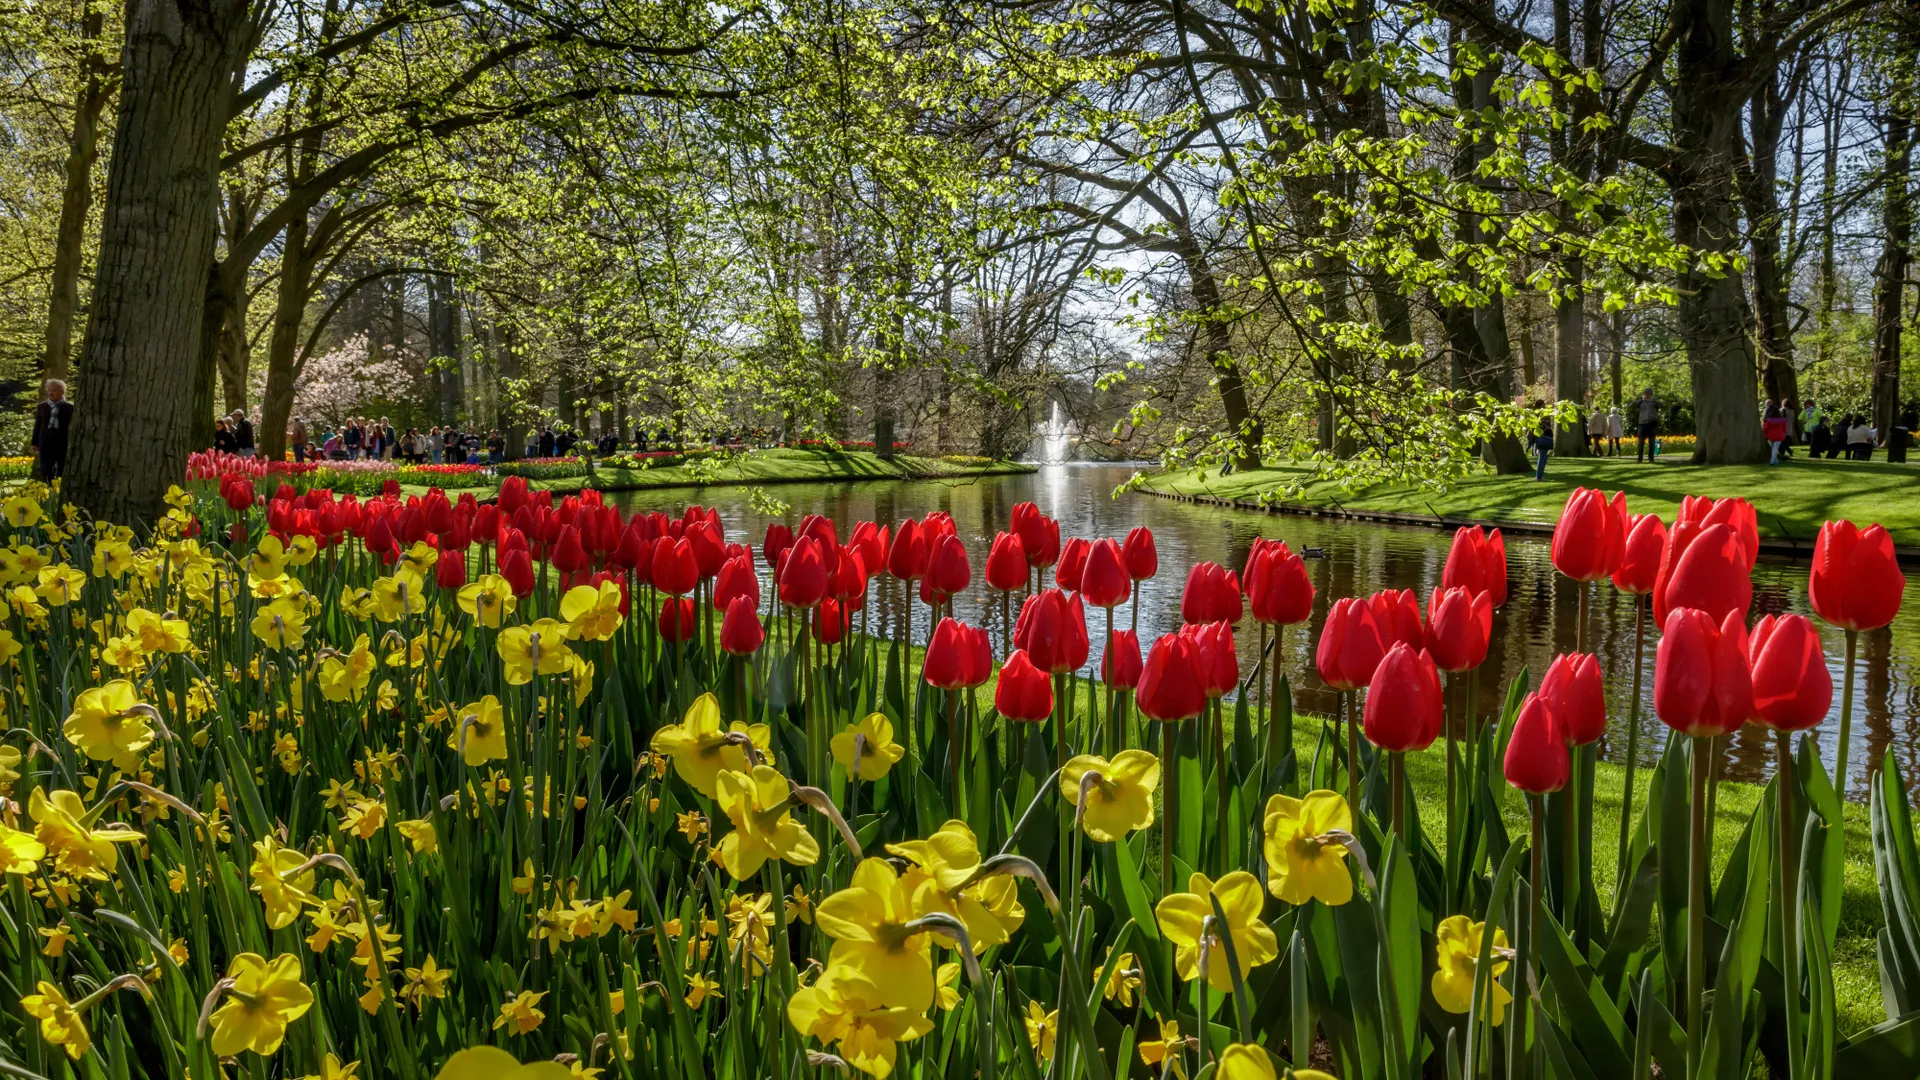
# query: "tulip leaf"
1821,1013
1671,791
1898,871
1728,1047
1631,925
1596,1026
1398,909
1662,1033
1561,1061
1811,777
1884,1050
1124,867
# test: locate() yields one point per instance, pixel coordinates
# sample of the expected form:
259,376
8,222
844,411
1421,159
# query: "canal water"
1355,559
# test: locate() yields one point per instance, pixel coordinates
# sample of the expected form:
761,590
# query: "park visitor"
1774,425
1811,417
297,438
1859,438
52,420
1615,428
1542,446
1648,425
242,429
1596,431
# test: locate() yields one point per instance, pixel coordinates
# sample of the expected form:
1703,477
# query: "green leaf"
1885,1050
1596,1026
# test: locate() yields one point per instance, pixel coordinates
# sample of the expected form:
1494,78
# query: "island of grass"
755,467
1792,498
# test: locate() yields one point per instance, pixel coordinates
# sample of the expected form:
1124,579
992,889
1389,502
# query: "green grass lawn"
1792,499
785,466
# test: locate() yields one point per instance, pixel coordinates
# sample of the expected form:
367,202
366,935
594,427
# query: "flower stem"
1696,908
1846,715
1633,737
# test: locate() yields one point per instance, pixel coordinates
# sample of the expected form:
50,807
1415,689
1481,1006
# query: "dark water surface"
1358,559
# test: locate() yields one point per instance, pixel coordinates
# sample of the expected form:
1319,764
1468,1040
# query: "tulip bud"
802,577
1219,663
1073,563
1405,708
946,665
1477,562
1279,592
1575,692
740,631
516,566
907,560
1212,594
1143,560
1704,568
1351,645
1024,692
677,621
1171,687
778,539
1856,583
1702,685
948,571
736,579
1104,581
1640,560
674,570
1536,759
1120,663
831,621
1459,628
1588,542
1006,563
1792,688
450,570
568,554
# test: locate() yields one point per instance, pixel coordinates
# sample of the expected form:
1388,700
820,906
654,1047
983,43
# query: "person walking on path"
1542,446
1615,428
1596,431
1774,425
1648,426
242,429
52,420
297,437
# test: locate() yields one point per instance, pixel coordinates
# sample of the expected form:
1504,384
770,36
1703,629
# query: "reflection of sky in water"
1360,559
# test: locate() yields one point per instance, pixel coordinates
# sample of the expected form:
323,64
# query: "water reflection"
1358,559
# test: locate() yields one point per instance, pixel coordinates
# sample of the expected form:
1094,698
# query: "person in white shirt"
1616,427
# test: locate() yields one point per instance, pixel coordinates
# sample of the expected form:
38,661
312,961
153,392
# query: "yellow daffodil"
281,624
78,849
1119,797
420,559
537,649
843,1010
420,834
269,558
1246,1061
763,826
1183,920
60,1023
9,647
364,818
302,549
800,906
492,1063
107,722
283,892
1126,978
592,612
332,1069
942,863
481,733
613,913
872,945
866,748
522,1012
267,995
345,678
402,594
157,633
1169,1047
1303,862
699,989
489,599
946,986
22,512
750,921
690,824
60,585
427,981
24,602
700,748
1458,955
1043,1029
57,937
20,853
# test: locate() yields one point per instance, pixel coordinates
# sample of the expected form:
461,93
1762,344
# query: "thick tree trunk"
283,349
1219,345
76,202
1890,273
1715,322
1773,324
443,324
1570,313
141,385
235,354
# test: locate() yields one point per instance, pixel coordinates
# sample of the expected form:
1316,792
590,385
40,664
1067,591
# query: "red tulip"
1856,582
1024,691
677,622
959,657
1574,691
802,577
821,529
1792,688
870,540
1120,663
674,570
1279,591
1052,631
517,567
1143,560
709,547
1536,759
1219,663
1104,581
1737,514
907,559
948,571
1701,682
1459,627
831,621
1073,562
1351,645
380,541
1404,703
849,584
1397,613
740,631
1589,541
1704,568
1171,686
450,572
936,524
238,493
779,539
569,557
1212,595
1039,534
1646,546
513,494
1478,561
1006,563
736,579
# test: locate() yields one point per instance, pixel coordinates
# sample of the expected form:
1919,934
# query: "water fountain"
1056,435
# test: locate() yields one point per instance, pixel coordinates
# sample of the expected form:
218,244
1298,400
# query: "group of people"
1604,431
358,440
1850,433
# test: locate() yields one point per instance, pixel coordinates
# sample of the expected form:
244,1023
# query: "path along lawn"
1792,498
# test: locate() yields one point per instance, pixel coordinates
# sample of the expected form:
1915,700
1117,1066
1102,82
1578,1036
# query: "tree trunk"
1773,325
76,202
1569,312
1890,273
1715,322
235,354
283,349
142,383
1219,345
443,324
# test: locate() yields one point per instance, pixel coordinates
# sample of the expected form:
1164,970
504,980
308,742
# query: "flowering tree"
351,380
